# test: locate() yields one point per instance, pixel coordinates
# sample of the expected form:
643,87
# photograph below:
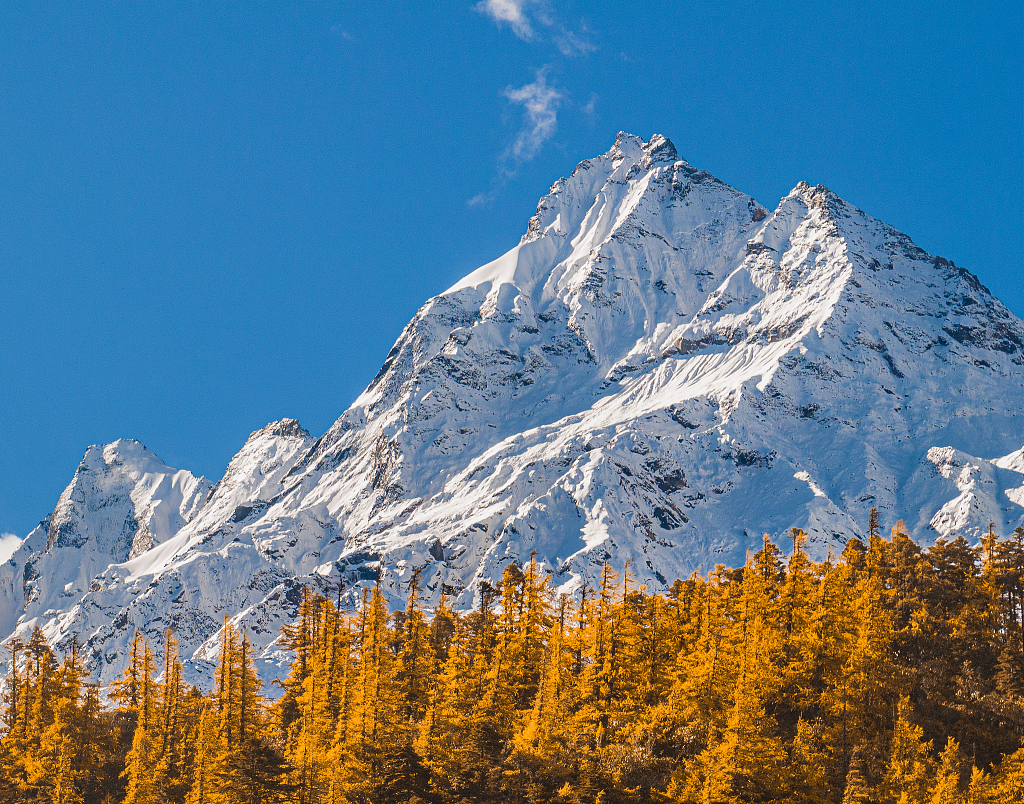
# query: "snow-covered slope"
659,372
122,502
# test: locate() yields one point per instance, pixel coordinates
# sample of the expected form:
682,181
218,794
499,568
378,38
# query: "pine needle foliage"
891,675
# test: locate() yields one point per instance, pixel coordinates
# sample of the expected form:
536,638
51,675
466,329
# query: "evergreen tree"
857,790
910,766
247,764
750,756
142,787
947,781
416,662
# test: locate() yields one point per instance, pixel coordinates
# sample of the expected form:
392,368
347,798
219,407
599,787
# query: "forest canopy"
890,673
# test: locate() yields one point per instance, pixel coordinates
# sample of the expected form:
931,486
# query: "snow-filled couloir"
659,372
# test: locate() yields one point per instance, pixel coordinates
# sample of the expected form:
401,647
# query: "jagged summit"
123,499
284,427
125,455
659,372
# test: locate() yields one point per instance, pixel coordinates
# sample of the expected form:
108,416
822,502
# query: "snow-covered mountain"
659,372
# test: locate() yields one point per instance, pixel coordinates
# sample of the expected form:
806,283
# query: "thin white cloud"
482,199
511,13
540,104
8,544
588,108
527,17
572,44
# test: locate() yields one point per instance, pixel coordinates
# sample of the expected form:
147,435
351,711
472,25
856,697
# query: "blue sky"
217,215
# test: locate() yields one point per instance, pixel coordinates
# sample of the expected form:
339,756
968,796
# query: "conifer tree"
459,712
247,764
41,699
544,729
15,723
442,628
910,767
859,693
751,757
125,691
175,741
62,741
601,676
947,780
1008,784
703,675
416,659
507,684
140,763
809,761
202,787
799,625
856,790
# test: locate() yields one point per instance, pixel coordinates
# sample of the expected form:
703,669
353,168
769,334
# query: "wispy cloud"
483,199
533,21
540,104
527,17
8,544
573,44
509,12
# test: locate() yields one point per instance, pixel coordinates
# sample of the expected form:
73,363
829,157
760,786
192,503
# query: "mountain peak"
659,150
661,371
626,145
286,428
125,455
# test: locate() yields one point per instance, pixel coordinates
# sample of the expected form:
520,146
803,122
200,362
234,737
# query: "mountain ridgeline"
659,373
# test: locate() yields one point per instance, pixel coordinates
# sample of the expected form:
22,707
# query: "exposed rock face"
122,502
660,371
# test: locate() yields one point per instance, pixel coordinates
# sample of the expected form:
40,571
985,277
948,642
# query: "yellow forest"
890,673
